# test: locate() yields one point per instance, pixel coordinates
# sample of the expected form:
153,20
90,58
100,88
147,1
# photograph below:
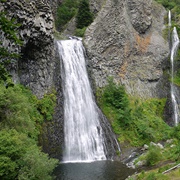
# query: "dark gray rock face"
140,14
96,5
54,5
125,41
36,65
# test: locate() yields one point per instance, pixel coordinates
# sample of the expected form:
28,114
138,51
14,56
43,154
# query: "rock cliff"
126,41
38,66
35,67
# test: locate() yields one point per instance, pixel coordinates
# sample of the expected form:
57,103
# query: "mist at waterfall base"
84,156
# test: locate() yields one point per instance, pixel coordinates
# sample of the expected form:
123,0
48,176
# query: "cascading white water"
83,133
169,18
174,97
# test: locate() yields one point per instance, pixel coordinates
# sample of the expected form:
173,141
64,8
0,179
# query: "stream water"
174,92
82,130
98,170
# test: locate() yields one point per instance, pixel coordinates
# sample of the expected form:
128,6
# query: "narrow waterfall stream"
83,133
174,96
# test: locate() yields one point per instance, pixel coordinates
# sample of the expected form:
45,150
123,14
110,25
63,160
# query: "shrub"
134,120
80,32
20,121
114,96
154,155
46,106
20,157
65,12
84,16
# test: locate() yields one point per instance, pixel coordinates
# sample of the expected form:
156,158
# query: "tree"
84,15
8,28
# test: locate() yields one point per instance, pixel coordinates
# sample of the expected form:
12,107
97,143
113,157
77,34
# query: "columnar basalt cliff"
35,67
126,41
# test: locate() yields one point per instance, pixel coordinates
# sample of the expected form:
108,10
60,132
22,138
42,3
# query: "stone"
160,146
169,141
126,42
36,32
140,163
153,144
145,147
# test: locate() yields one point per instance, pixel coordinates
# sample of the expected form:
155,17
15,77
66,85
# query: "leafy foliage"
154,155
80,32
20,120
46,106
8,28
20,157
134,120
84,15
115,98
65,12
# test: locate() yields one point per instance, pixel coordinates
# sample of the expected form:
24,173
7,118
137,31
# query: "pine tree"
84,15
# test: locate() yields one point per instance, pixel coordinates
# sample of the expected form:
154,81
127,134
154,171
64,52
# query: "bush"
84,15
17,112
80,32
20,121
46,106
20,157
134,120
65,12
154,155
115,97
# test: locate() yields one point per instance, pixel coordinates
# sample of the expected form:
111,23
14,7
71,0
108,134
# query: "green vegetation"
46,106
84,16
156,174
65,12
19,130
153,156
21,116
78,9
80,32
134,120
140,122
9,27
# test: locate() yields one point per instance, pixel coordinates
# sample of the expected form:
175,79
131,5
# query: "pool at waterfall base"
97,170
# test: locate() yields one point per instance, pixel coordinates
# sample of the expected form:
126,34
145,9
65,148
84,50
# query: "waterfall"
169,18
174,96
83,133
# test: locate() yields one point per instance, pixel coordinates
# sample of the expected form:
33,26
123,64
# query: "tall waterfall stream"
174,97
82,129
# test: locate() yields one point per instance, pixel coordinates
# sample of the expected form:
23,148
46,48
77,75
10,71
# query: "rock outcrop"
36,65
125,41
96,5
